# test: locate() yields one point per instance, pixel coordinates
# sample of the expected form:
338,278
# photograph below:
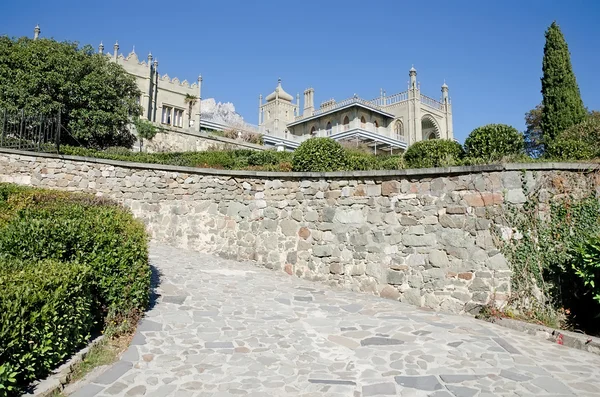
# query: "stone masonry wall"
186,141
419,236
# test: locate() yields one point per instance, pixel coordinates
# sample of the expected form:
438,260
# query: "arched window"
346,123
313,130
375,123
328,128
363,122
399,130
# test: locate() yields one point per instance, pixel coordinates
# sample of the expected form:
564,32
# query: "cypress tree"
562,104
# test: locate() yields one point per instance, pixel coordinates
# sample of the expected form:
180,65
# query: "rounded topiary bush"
494,141
319,155
434,153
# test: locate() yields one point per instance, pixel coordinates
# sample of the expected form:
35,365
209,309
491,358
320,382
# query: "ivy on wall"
554,250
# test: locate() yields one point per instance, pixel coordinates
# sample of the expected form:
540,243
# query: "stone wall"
189,141
421,236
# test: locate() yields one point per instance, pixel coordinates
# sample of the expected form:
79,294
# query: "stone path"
222,328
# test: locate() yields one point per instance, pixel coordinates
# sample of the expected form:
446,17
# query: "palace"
386,123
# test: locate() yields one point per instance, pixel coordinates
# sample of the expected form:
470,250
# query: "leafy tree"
579,142
191,100
493,142
95,96
534,144
145,130
562,104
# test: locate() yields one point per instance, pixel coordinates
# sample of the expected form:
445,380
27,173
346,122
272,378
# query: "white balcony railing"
391,100
356,124
427,101
341,104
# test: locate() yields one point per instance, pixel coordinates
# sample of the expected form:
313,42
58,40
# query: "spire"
149,58
101,48
445,92
116,50
36,32
412,73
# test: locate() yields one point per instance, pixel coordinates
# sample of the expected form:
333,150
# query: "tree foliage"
533,137
579,142
493,142
562,104
96,97
191,100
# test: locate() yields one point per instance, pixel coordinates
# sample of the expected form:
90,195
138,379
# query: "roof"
349,103
279,93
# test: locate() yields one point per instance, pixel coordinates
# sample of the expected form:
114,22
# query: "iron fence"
25,131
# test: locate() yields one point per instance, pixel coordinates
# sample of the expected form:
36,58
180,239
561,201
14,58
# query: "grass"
104,353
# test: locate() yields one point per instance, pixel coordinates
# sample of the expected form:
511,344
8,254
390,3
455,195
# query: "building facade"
385,123
164,100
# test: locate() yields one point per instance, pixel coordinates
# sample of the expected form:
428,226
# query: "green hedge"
434,153
46,313
53,230
320,155
580,142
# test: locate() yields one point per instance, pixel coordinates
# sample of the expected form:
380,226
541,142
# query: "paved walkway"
222,328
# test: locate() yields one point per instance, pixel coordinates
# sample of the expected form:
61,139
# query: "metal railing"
25,131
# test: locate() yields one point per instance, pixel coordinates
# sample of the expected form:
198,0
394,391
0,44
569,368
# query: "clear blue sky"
489,52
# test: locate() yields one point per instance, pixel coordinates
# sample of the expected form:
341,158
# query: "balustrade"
425,100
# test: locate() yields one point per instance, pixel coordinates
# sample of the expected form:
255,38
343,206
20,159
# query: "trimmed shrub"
265,157
46,313
360,161
580,142
105,237
492,142
68,261
433,153
319,155
391,163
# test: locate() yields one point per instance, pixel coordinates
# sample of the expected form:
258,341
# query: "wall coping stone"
416,173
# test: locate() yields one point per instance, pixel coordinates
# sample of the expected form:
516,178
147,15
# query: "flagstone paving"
223,328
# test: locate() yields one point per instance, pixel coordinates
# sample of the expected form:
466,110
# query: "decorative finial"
279,81
149,56
101,48
36,31
133,50
200,78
